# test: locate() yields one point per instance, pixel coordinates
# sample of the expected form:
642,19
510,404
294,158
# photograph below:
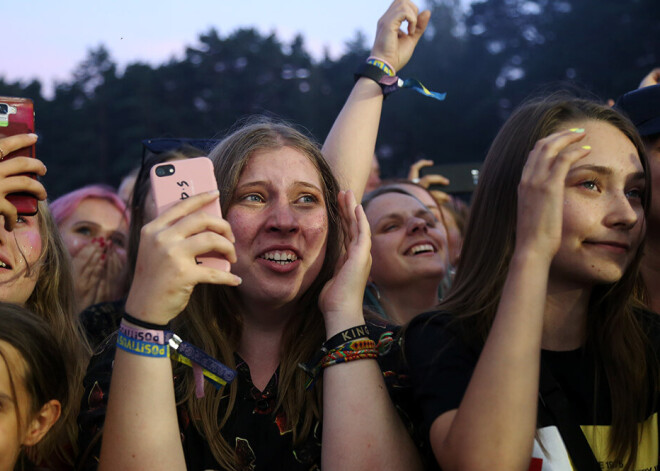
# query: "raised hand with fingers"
427,180
341,298
394,45
541,192
13,178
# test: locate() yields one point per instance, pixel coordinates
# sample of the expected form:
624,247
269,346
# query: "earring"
372,286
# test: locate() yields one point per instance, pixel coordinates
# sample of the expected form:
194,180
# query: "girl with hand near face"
542,304
35,273
299,250
93,222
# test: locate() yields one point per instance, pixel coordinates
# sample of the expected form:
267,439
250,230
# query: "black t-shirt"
259,434
441,365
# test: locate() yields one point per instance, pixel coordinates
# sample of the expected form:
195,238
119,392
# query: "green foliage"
488,58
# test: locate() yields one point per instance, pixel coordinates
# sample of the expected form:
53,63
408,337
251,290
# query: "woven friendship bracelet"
344,357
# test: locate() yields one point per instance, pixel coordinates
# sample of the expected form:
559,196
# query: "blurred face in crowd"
408,241
95,219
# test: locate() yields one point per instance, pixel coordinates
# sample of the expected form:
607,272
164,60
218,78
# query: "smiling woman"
299,250
409,251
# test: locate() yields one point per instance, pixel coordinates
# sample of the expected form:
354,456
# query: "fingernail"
576,129
33,135
586,147
238,279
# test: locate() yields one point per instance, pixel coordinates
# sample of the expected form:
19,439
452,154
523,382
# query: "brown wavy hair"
212,320
52,300
622,350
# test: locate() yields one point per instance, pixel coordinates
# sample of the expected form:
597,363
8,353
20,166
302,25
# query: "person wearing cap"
643,108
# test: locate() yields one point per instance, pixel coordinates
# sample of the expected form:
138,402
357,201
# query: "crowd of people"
364,323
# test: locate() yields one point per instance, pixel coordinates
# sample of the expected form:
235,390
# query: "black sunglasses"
159,145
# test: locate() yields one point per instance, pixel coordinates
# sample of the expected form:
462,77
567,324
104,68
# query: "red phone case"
174,181
17,117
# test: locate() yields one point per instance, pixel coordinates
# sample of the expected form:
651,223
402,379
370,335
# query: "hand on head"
341,297
12,178
541,191
394,45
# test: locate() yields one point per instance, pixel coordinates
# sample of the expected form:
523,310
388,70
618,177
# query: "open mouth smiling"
421,248
281,257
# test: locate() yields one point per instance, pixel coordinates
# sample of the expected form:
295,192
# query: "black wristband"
144,324
347,335
387,83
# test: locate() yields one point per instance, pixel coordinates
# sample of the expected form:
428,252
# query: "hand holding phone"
17,117
13,177
177,180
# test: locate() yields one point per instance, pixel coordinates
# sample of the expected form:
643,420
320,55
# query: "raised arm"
350,144
355,397
494,426
141,430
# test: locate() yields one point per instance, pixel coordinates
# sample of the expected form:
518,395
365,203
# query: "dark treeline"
486,59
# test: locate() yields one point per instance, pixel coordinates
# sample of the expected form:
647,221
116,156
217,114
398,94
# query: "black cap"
643,108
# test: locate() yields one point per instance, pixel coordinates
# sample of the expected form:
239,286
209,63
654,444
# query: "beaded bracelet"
344,357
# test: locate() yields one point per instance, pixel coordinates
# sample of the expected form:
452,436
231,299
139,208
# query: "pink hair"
66,204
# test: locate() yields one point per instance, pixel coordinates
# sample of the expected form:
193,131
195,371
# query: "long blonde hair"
212,319
52,300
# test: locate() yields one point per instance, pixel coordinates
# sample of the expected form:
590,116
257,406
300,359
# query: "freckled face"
11,437
92,219
603,219
280,222
407,243
19,250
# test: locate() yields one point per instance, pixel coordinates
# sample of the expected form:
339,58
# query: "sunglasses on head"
159,145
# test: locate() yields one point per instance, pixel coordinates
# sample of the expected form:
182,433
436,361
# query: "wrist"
338,322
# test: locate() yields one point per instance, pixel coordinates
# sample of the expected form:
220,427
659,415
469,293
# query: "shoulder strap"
553,398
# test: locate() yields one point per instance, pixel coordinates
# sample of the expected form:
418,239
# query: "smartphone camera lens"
165,170
4,109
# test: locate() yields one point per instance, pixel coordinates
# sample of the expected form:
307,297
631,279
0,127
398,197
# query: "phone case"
177,180
463,178
17,117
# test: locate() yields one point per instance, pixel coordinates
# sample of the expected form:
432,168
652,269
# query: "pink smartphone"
17,117
177,180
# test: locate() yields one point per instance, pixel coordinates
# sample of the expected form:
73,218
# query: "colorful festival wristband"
390,84
145,335
139,347
382,65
